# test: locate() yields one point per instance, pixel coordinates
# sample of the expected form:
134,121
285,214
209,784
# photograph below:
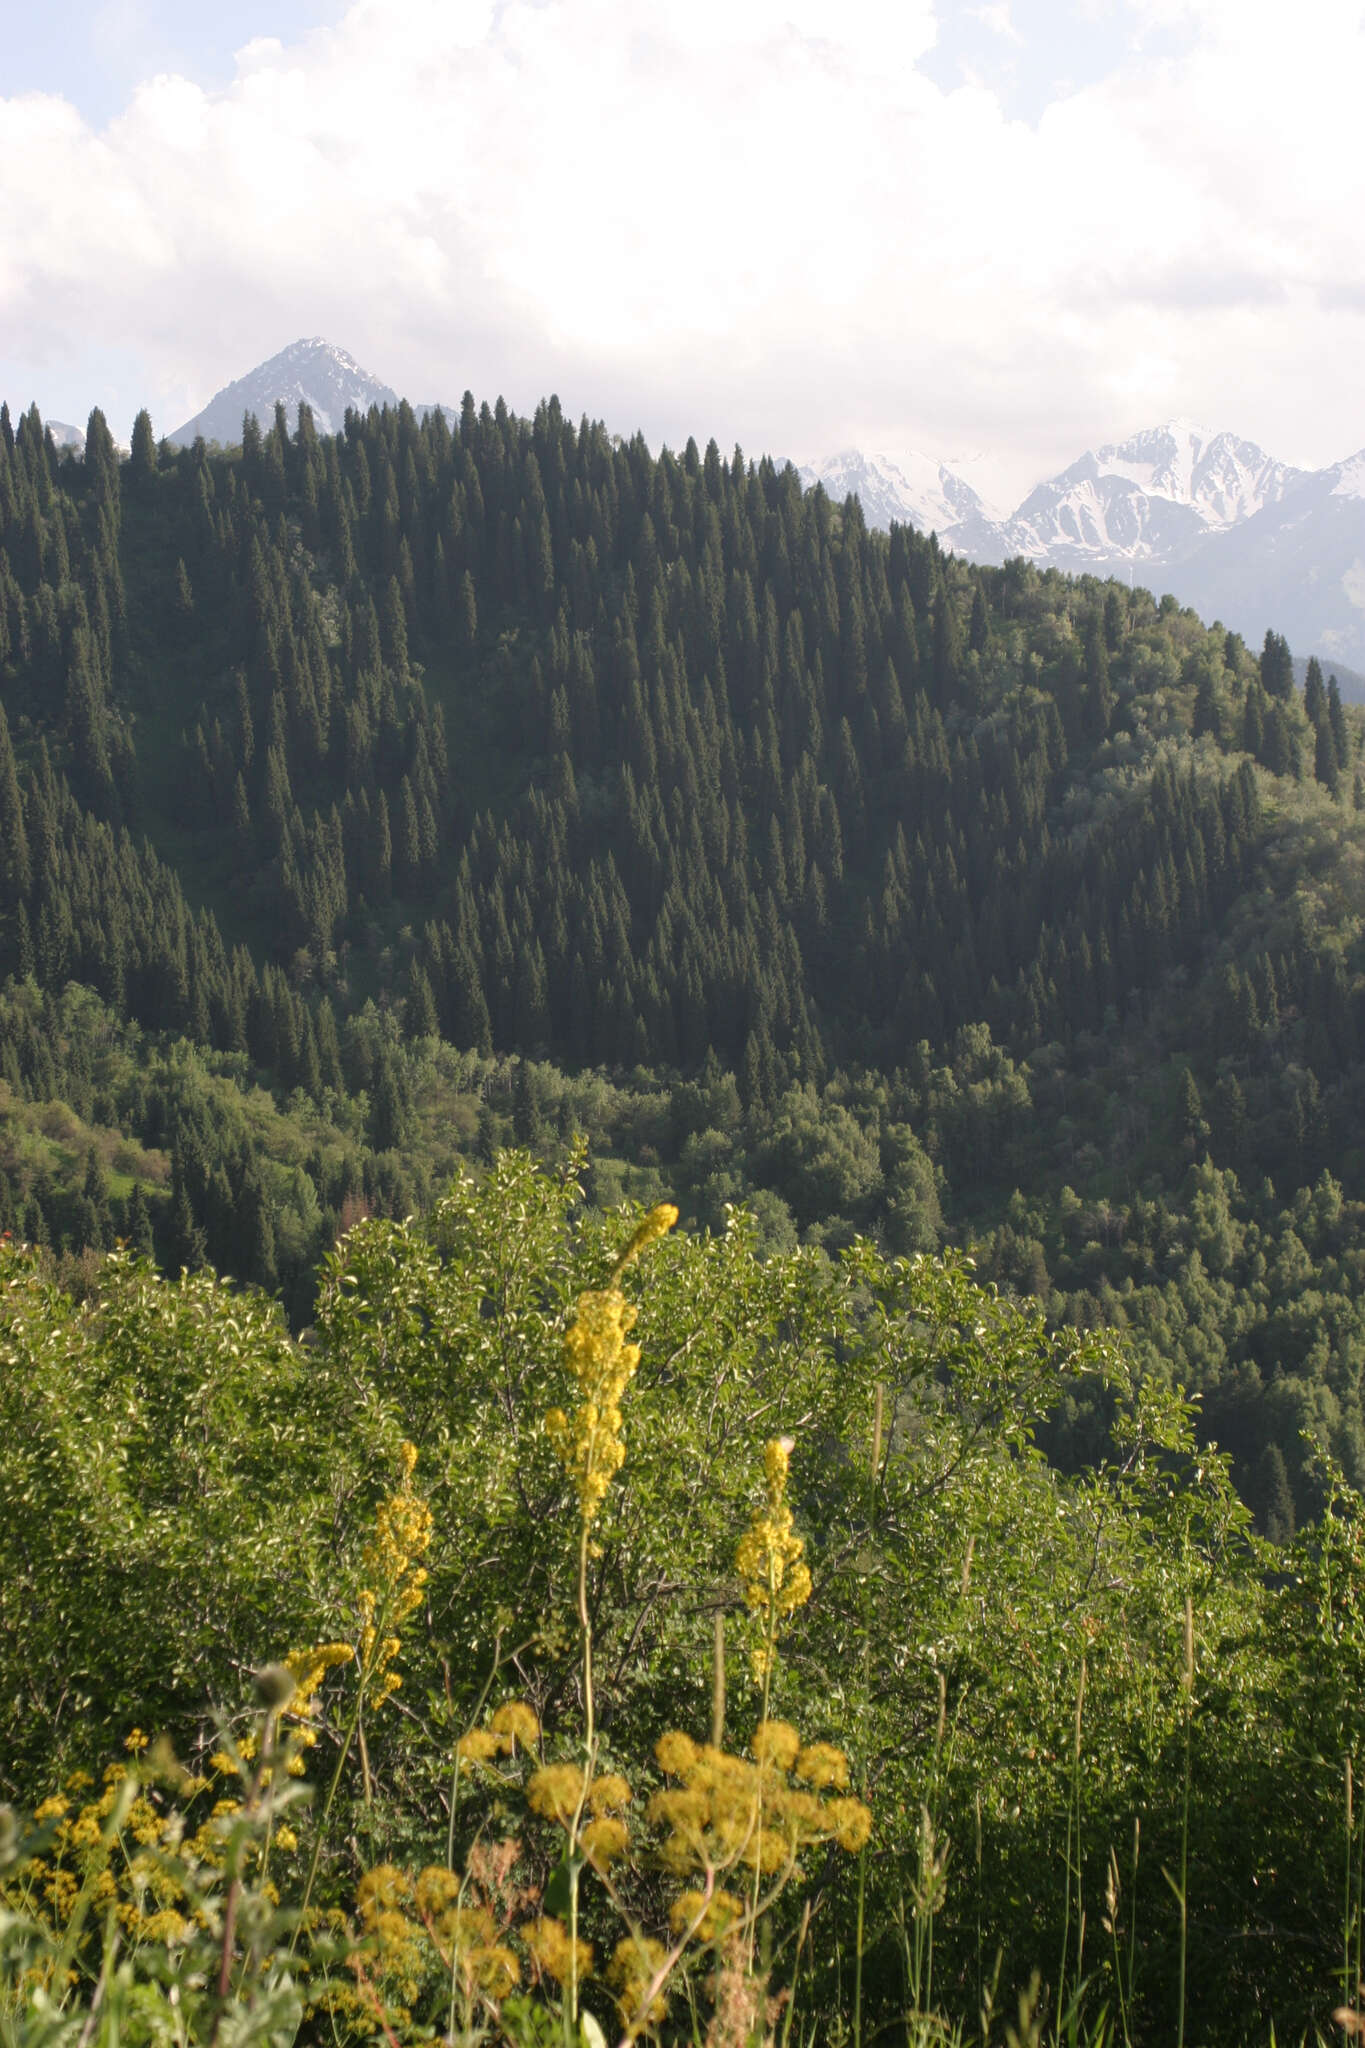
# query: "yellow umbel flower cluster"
510,1725
394,1582
637,1966
770,1558
411,1924
555,1951
757,1812
121,1853
589,1443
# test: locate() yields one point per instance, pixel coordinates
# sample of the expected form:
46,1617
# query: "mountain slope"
312,372
511,781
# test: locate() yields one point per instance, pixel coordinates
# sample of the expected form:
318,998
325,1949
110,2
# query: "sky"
996,233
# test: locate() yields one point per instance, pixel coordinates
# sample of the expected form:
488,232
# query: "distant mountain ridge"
1238,534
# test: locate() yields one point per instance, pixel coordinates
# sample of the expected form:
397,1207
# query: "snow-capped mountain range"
1235,533
1146,499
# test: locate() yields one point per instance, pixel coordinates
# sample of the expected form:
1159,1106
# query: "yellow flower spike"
770,1559
589,1443
395,1581
655,1225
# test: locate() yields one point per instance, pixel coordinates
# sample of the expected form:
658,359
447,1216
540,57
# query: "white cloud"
753,217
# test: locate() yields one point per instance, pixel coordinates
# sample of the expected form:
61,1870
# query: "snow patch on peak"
1349,477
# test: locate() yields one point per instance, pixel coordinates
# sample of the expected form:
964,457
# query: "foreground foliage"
1104,1733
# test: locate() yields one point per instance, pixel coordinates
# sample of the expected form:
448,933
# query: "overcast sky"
998,233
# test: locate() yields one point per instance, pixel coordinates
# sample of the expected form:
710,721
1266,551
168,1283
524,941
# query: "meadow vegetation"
591,1629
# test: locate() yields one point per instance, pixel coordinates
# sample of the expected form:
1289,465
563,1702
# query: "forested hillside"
397,795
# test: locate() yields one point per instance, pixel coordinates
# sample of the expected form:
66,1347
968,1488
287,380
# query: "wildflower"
602,1841
307,1669
729,1811
495,1969
553,1951
676,1753
634,1967
517,1723
135,1742
770,1559
382,1889
286,1840
851,1823
477,1746
53,1808
711,1919
822,1765
144,1821
85,1830
589,1443
609,1793
655,1225
776,1742
556,1792
436,1889
166,1926
395,1581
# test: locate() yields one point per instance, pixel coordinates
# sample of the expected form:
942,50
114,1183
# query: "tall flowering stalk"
590,1444
394,1582
770,1560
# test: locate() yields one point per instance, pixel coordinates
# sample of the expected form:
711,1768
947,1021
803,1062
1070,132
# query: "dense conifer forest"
369,803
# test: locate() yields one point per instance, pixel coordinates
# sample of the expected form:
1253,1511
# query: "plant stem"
1346,1997
589,1739
454,1810
320,1835
1187,1682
